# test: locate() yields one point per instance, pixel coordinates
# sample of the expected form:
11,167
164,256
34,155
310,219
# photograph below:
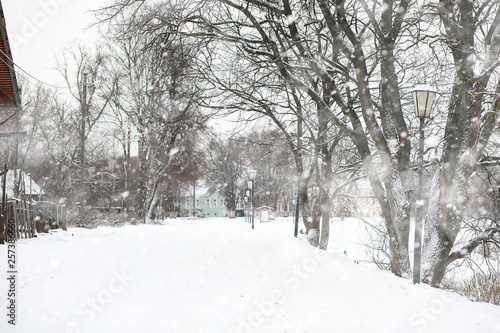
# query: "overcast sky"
40,29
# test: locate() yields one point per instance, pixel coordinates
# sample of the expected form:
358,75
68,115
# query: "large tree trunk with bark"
325,222
468,129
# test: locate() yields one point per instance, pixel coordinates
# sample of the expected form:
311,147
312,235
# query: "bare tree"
155,92
226,169
469,27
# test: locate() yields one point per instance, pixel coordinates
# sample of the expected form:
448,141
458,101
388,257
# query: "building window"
208,202
215,202
187,203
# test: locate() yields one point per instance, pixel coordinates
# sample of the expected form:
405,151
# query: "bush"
479,288
93,219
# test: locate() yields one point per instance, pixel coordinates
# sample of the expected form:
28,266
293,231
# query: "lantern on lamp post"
423,98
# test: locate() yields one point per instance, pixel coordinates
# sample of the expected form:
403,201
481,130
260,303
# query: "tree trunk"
143,177
325,222
304,202
454,176
313,235
153,204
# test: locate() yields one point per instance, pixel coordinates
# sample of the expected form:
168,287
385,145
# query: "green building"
209,204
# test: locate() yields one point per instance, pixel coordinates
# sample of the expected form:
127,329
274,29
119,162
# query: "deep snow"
219,275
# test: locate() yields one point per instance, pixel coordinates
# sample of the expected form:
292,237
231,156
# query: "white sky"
40,29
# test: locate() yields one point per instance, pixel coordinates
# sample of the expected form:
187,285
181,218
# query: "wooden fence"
49,215
23,218
17,220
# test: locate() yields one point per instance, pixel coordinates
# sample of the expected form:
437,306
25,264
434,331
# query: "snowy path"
219,275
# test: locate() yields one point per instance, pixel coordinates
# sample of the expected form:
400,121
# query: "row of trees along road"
329,71
332,77
134,91
228,163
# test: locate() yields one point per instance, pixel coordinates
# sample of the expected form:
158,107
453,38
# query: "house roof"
202,189
9,90
264,208
29,185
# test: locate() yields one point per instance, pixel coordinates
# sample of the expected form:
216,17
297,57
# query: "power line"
25,72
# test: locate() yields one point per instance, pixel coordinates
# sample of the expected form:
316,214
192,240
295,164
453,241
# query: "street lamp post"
251,186
423,97
246,206
248,209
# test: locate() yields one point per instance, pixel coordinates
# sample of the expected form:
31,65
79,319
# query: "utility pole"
128,172
83,107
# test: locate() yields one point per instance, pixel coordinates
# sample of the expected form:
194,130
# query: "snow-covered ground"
219,275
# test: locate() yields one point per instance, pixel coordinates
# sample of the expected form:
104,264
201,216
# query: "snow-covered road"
219,275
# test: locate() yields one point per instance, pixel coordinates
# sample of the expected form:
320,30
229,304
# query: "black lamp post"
249,193
423,97
251,186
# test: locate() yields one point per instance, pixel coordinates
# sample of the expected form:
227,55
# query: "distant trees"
82,70
154,97
229,162
53,150
53,160
137,96
226,169
267,152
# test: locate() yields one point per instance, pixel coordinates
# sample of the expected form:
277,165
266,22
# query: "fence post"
63,217
11,215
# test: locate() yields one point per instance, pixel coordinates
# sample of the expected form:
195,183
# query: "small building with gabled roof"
24,183
206,203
